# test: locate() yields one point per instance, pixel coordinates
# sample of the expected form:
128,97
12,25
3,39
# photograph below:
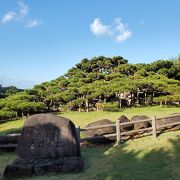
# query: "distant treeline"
101,83
10,90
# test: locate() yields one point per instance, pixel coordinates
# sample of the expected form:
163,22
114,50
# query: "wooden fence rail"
118,135
10,138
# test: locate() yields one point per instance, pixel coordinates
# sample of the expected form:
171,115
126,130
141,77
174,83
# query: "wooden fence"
10,140
118,134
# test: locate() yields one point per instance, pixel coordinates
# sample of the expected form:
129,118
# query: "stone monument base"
22,168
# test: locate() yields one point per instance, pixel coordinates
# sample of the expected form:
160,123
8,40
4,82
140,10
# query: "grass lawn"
83,118
143,158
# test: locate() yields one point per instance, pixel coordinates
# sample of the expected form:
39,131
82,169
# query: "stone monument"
48,143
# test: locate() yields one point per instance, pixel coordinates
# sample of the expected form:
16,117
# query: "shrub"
63,108
7,114
113,107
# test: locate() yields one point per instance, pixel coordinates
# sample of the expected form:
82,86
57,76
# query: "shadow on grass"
137,160
12,130
122,163
9,120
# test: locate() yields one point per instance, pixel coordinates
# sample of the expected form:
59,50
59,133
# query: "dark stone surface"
173,120
169,120
102,131
9,138
39,167
19,168
124,128
140,125
47,141
160,122
59,165
48,136
99,132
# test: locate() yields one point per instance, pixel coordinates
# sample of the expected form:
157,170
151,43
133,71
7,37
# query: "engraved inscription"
47,142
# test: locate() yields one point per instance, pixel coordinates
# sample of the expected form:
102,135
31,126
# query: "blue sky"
40,40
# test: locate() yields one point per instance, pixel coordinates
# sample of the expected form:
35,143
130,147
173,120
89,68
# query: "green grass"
83,118
11,126
143,158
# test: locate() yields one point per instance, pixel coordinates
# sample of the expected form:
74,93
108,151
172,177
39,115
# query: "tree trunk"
130,104
145,98
152,97
132,101
97,108
120,103
87,106
137,98
99,99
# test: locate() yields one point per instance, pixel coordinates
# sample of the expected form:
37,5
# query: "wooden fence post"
78,133
118,133
154,126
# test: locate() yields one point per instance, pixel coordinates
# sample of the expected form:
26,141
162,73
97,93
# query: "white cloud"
9,16
123,36
20,16
99,29
117,29
24,9
123,32
33,23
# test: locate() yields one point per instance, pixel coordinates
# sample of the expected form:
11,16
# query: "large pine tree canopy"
101,83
